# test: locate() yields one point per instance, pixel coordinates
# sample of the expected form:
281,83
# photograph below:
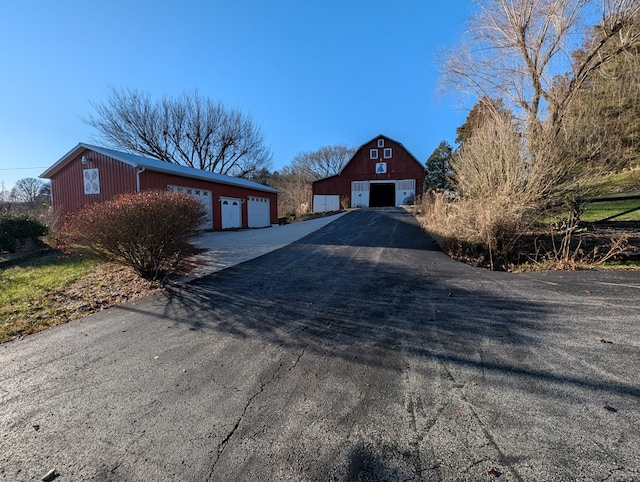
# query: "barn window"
380,142
373,154
387,153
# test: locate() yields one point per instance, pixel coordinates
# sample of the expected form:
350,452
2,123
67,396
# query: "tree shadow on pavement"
337,295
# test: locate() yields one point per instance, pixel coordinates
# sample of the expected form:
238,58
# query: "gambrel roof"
355,155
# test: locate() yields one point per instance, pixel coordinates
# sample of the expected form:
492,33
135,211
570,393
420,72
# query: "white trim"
373,153
230,201
138,172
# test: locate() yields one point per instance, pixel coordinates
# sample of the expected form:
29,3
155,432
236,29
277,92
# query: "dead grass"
465,232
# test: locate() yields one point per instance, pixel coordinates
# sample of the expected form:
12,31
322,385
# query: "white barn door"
359,194
405,191
231,212
258,212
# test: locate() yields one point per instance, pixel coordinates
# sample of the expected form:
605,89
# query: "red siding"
158,180
67,187
402,165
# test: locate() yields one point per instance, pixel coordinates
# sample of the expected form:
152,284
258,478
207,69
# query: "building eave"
155,165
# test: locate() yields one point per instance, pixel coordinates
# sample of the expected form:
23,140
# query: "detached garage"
381,173
89,174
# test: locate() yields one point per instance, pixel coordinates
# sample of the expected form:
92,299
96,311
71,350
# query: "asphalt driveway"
359,352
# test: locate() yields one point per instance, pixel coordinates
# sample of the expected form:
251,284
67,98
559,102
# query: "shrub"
14,227
147,231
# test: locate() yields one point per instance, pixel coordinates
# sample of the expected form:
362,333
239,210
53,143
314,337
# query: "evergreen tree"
438,170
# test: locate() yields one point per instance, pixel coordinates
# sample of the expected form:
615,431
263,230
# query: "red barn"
381,173
89,174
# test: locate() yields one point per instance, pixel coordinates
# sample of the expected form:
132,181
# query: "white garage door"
201,195
258,212
231,212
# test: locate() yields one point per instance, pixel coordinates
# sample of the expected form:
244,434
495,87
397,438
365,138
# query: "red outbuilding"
89,174
381,173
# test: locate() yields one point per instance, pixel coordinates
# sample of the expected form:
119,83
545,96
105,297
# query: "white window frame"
388,153
373,154
380,142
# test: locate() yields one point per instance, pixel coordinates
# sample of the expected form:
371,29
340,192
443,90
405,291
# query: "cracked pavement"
359,352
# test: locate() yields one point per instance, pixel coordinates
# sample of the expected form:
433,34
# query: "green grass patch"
602,210
627,264
28,292
623,182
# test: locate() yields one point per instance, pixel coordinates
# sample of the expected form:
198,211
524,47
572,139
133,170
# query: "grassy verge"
53,289
598,211
623,182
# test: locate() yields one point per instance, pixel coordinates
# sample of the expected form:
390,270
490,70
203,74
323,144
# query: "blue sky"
310,73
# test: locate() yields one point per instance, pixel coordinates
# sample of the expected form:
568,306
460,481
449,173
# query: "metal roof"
155,165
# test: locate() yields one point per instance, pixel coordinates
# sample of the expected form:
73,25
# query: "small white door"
258,212
231,213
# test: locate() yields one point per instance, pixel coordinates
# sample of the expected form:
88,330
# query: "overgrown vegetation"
535,140
15,227
148,231
478,235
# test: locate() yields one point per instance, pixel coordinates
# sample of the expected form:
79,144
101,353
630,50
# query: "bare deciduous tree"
294,181
188,130
295,191
30,190
4,192
515,48
324,162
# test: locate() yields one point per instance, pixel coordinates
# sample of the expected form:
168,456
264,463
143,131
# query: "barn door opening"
382,194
